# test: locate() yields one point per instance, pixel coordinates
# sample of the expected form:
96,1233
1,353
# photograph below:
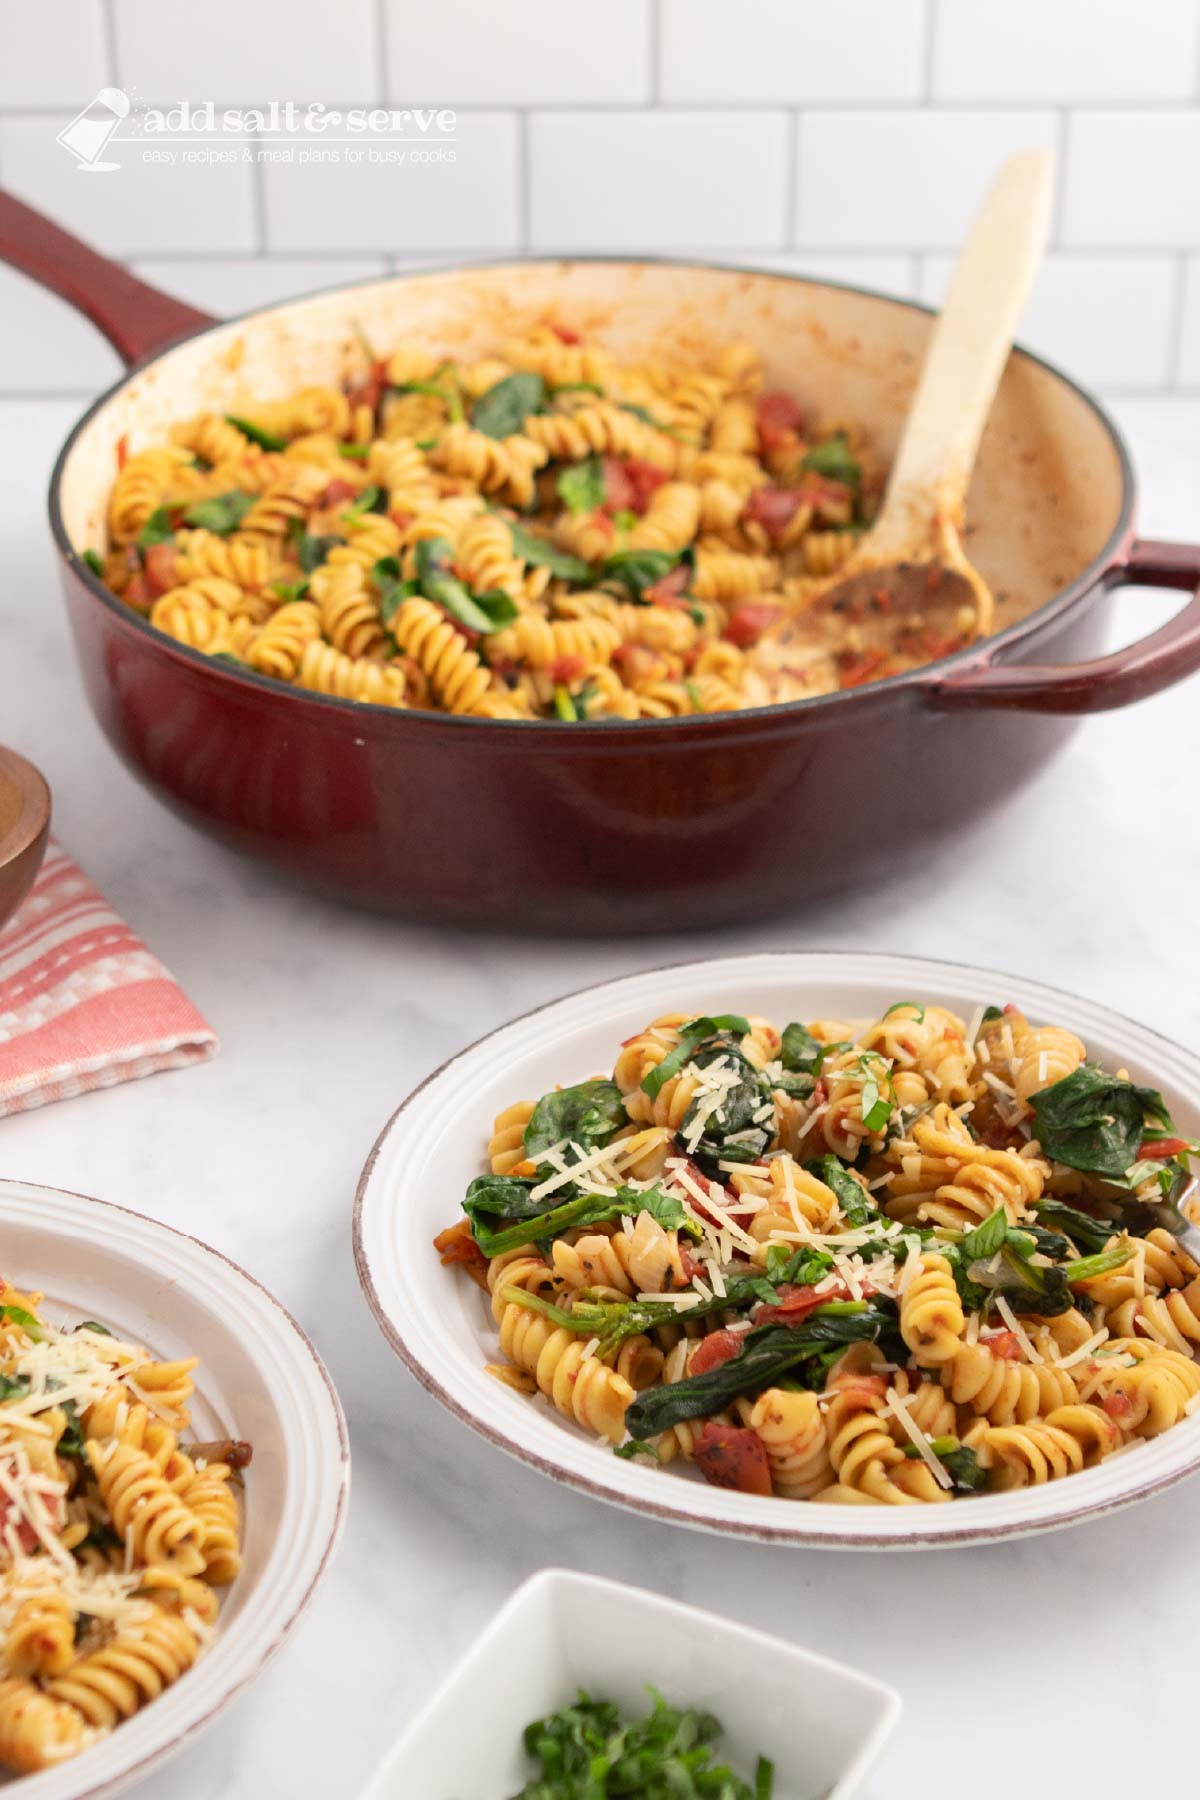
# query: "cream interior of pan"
1048,486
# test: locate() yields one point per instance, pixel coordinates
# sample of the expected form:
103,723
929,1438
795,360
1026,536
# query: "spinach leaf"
1094,1122
505,407
71,1441
158,529
767,1352
732,1117
312,551
588,1114
543,555
1028,1287
1087,1232
482,613
833,460
690,1037
266,440
93,561
13,1387
536,1222
581,485
799,1050
391,586
959,1462
856,1204
640,569
290,590
796,1087
223,513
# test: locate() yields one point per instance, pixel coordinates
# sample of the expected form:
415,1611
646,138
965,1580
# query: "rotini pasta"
113,1535
689,505
830,1263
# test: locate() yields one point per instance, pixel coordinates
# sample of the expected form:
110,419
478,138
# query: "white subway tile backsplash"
224,286
460,53
46,346
1131,180
791,51
141,206
1105,320
1188,372
387,207
620,180
239,54
899,180
53,55
1065,50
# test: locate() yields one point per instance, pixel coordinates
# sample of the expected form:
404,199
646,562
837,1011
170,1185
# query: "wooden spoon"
910,576
24,828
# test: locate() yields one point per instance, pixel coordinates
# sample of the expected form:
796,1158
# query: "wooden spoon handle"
966,356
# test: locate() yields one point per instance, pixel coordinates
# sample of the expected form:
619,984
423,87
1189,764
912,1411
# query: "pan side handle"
136,318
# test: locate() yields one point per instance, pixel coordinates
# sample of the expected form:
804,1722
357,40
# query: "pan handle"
1141,669
135,317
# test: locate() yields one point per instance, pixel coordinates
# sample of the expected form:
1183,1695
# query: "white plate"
821,1724
259,1379
413,1184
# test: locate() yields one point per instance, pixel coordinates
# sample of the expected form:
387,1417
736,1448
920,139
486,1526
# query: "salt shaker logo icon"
89,132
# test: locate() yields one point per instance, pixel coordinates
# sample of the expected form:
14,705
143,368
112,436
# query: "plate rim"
675,1513
110,1783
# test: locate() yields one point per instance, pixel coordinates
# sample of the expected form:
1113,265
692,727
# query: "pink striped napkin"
83,1003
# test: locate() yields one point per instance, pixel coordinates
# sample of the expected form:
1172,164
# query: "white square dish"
821,1724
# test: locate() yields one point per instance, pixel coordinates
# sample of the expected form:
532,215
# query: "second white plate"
413,1185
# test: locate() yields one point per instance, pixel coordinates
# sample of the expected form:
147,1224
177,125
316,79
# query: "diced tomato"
464,631
999,1136
644,479
565,334
717,1348
728,1200
338,491
731,1456
795,1303
671,589
369,391
456,1245
859,666
567,668
1160,1148
160,569
749,622
773,508
1117,1406
1004,1344
778,416
137,593
401,519
122,451
618,488
823,493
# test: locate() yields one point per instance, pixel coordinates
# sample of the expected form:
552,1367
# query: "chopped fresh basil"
581,485
312,551
354,452
372,499
266,440
158,529
691,1036
391,586
533,549
564,706
290,590
483,613
834,460
223,513
641,569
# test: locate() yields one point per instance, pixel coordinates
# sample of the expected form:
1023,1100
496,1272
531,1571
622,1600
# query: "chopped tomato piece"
823,493
999,1136
730,1456
456,1245
773,508
778,416
122,451
567,668
1118,1406
795,1303
337,491
717,1348
618,488
565,334
137,593
401,519
859,666
671,589
644,479
1005,1344
749,622
160,569
1161,1148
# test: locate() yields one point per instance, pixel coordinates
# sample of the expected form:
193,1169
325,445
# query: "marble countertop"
327,1018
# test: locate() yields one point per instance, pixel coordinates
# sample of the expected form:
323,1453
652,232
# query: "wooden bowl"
24,828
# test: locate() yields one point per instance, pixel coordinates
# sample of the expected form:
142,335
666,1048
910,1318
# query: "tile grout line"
654,51
1175,328
791,175
524,183
929,50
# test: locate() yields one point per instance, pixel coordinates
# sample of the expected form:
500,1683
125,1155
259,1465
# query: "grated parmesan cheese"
1032,1353
899,1408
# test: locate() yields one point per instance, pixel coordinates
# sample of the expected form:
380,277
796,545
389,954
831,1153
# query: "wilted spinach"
1094,1122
